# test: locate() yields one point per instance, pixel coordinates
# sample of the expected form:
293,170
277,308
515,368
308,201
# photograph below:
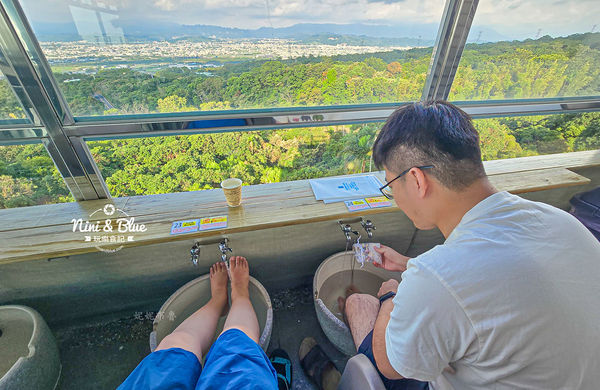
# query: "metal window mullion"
16,136
175,125
341,116
12,79
91,169
447,51
70,181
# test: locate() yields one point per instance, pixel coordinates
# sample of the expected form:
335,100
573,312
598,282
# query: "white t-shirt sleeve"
428,329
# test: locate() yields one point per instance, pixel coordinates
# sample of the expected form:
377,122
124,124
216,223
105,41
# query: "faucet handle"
369,227
224,247
347,229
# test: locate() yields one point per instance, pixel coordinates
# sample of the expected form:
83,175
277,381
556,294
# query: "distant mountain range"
400,35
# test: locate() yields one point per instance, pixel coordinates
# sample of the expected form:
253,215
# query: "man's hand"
390,259
386,287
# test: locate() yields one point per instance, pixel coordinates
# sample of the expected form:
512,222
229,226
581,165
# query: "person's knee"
361,308
183,340
356,301
252,334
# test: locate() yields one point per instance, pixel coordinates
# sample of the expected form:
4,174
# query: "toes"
216,268
238,261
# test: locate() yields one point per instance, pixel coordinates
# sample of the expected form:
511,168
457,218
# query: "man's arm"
379,348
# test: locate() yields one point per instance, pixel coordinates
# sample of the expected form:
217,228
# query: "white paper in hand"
364,253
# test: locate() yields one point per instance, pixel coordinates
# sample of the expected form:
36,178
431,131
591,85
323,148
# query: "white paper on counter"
337,189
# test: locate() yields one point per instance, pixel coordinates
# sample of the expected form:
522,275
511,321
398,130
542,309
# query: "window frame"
64,135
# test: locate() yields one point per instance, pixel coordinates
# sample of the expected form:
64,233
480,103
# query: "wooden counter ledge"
46,231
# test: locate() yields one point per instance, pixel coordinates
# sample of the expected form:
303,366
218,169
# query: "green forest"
546,67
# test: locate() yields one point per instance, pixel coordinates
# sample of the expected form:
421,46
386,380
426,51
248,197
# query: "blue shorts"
234,361
366,348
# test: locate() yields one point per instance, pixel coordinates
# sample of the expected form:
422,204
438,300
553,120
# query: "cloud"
165,5
522,19
385,1
511,18
357,11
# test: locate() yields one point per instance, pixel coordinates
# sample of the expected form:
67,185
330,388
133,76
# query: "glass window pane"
10,108
144,166
28,177
155,165
533,135
113,57
531,49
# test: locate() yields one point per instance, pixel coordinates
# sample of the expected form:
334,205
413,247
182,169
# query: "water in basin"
195,294
335,286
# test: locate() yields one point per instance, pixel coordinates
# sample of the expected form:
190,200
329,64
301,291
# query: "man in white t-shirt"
511,300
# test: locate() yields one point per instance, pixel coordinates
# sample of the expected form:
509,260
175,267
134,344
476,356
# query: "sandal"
317,365
283,366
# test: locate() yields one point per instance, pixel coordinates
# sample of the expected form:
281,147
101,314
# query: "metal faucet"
369,227
195,252
347,229
224,247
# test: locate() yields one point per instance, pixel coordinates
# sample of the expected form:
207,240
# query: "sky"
514,19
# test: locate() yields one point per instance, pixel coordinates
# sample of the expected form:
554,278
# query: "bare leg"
241,315
196,333
352,289
361,312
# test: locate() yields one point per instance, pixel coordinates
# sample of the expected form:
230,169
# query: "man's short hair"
431,133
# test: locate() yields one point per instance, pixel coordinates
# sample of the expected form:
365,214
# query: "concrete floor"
102,353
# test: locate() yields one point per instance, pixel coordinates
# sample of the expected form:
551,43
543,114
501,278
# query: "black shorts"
366,348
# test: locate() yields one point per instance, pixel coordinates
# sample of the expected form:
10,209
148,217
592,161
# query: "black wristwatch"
386,296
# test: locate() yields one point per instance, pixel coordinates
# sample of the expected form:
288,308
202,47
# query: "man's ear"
421,182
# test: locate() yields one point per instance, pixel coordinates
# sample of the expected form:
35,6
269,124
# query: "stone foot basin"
28,352
332,278
195,294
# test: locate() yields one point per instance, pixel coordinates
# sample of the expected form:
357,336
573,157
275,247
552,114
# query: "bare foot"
342,305
218,286
240,277
351,289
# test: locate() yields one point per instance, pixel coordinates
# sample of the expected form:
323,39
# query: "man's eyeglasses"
387,191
